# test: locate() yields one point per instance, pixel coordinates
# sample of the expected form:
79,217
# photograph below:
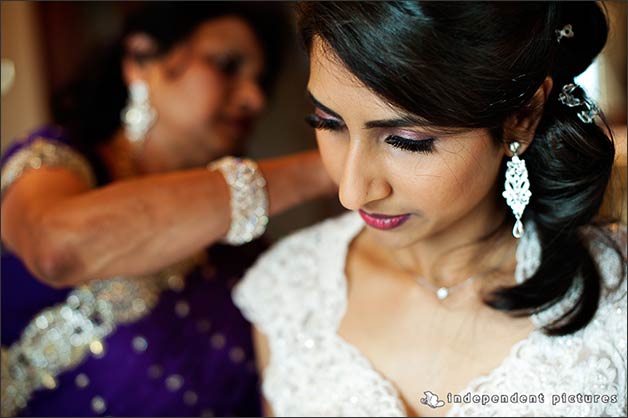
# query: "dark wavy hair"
89,106
472,65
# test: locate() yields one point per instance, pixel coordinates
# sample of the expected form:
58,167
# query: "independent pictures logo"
432,399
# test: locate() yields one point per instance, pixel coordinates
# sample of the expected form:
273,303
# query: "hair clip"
567,98
589,113
565,32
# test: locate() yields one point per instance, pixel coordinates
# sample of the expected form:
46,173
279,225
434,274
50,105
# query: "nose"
362,181
250,96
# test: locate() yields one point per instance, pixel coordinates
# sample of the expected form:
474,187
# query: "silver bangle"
249,200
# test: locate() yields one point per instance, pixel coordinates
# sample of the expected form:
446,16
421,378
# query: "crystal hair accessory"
565,32
567,97
517,188
249,199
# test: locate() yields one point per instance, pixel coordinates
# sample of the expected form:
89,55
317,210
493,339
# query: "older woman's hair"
89,106
473,65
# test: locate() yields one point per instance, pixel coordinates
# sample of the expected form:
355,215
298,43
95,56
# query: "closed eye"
325,124
425,146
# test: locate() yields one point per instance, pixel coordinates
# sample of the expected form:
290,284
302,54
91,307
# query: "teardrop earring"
139,115
517,188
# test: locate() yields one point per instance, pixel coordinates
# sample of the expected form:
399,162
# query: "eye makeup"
324,124
402,140
409,140
413,145
326,119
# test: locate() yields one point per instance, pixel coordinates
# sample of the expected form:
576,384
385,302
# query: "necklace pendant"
442,293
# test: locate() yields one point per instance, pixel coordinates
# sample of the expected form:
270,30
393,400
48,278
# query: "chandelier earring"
517,188
139,115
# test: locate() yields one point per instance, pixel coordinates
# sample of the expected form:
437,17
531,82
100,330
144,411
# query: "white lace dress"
296,295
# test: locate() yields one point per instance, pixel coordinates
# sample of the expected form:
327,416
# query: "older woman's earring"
517,188
138,116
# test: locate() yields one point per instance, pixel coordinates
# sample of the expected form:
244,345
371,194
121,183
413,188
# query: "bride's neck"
477,244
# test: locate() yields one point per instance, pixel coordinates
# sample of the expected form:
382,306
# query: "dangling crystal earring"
138,116
517,188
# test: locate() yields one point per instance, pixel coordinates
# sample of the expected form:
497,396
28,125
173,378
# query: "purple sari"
188,354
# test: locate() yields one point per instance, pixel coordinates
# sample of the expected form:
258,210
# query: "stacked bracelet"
249,201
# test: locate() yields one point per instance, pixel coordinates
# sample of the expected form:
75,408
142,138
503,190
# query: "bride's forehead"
332,84
325,64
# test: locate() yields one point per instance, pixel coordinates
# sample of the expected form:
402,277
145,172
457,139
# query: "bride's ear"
521,126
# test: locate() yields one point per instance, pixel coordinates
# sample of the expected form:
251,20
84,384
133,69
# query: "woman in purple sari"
120,248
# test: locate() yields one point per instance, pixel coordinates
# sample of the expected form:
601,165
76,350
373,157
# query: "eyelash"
425,146
317,122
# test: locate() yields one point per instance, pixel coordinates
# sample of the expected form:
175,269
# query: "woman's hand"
295,179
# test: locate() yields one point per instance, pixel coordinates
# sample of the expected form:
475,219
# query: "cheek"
451,183
333,153
194,96
204,91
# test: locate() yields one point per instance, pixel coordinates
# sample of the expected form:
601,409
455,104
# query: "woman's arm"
68,234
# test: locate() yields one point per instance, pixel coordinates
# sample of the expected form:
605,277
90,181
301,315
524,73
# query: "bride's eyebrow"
321,106
401,122
391,123
404,121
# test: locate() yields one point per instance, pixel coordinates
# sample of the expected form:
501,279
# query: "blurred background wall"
605,81
45,41
24,101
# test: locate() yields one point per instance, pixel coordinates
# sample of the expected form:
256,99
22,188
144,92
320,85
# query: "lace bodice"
296,295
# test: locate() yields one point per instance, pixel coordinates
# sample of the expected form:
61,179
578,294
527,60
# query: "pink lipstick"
383,222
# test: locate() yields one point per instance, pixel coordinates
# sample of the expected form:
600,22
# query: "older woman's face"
408,182
206,91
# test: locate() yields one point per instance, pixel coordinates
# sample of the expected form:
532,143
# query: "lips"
383,222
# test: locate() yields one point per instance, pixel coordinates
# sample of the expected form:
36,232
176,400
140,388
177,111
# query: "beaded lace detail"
62,336
296,295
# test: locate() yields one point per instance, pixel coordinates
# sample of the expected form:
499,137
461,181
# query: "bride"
471,276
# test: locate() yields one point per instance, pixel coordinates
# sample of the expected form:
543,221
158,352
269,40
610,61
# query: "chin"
231,144
394,240
223,147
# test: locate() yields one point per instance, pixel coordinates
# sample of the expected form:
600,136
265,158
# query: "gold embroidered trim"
60,337
44,153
